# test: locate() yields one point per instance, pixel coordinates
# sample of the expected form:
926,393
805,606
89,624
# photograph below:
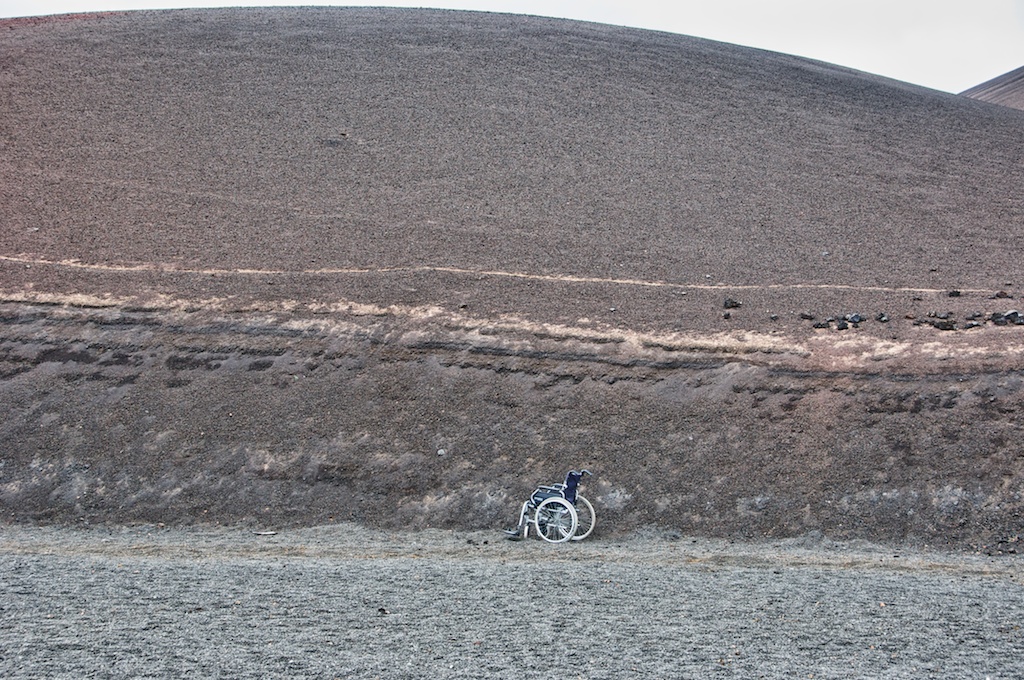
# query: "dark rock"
1001,295
882,317
841,325
806,316
974,316
726,315
1005,318
944,324
732,304
854,318
953,293
821,324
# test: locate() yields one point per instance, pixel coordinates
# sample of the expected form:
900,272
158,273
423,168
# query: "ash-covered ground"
341,601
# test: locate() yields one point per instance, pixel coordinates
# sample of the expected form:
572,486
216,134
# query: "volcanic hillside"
296,266
1007,89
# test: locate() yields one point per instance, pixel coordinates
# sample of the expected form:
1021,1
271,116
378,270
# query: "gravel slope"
340,601
311,155
262,265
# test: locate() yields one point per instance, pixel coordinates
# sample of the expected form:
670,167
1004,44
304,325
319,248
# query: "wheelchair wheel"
556,520
586,518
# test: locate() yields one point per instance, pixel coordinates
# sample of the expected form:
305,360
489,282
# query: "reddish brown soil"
266,265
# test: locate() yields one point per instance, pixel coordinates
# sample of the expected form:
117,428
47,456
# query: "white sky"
943,44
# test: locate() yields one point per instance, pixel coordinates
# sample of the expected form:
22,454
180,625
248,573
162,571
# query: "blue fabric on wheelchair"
541,495
568,490
572,480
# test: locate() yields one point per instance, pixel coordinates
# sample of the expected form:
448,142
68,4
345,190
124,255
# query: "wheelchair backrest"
572,481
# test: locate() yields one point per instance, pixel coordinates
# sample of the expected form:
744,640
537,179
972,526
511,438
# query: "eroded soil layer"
126,415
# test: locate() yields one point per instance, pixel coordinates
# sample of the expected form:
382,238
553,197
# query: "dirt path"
342,601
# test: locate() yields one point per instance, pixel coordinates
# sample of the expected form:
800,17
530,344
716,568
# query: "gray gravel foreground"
342,601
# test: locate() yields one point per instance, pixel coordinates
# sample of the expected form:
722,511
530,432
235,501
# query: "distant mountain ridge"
1007,89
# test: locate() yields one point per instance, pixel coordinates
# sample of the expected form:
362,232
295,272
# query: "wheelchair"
557,512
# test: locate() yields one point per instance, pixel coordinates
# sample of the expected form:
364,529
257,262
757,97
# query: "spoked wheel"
585,518
556,520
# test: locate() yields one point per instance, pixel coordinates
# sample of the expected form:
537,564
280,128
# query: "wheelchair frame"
557,512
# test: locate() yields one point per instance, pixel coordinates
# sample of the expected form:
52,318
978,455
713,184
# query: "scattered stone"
806,316
854,318
882,317
953,293
821,324
841,325
726,315
1006,318
732,304
1001,295
944,324
1011,545
774,317
974,316
971,324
